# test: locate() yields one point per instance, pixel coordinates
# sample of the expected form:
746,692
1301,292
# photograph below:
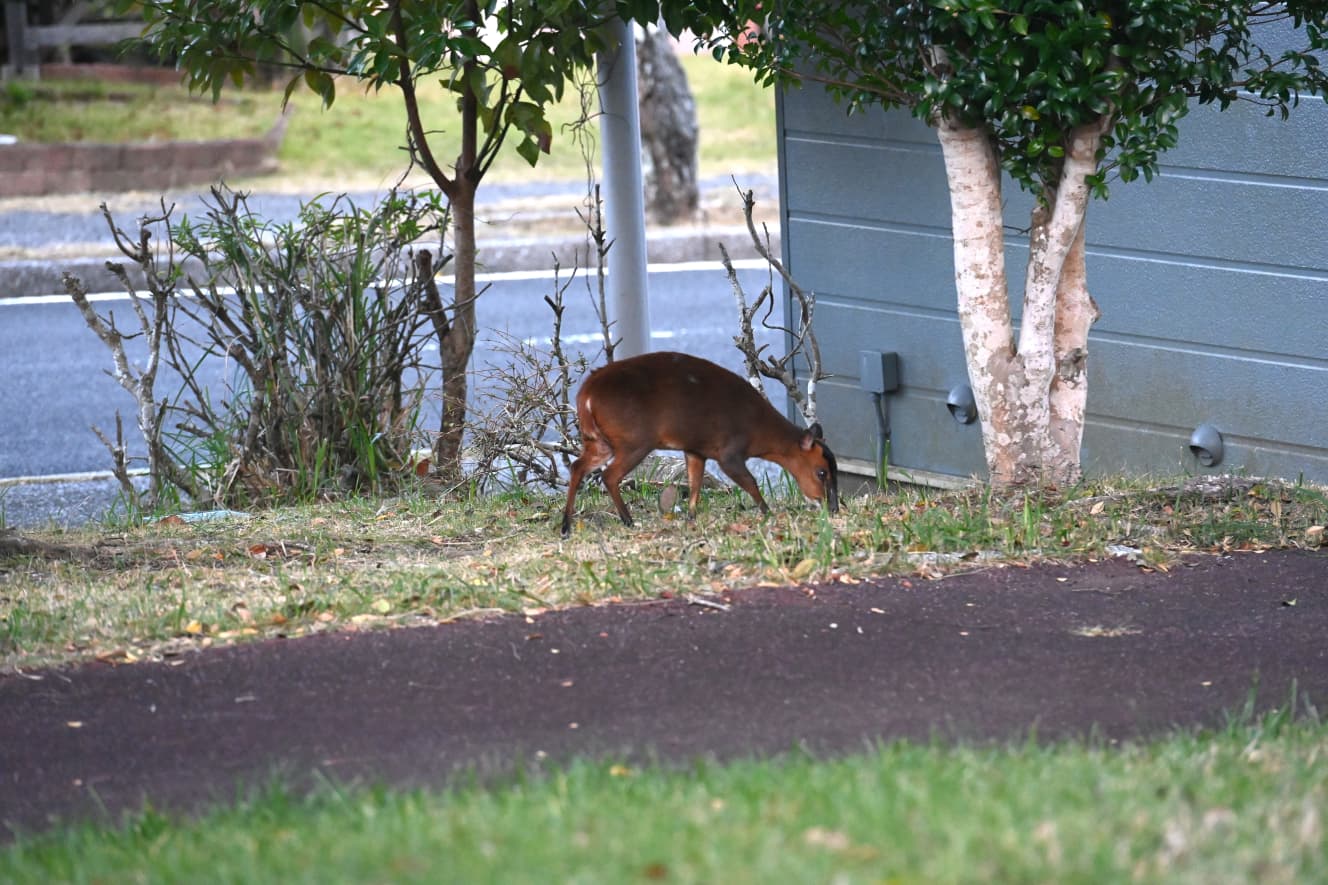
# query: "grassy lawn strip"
159,589
92,111
363,133
358,142
1242,804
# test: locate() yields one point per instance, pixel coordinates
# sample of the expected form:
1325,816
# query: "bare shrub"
139,380
527,430
321,319
299,347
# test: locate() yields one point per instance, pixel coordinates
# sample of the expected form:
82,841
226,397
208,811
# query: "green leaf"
529,150
322,85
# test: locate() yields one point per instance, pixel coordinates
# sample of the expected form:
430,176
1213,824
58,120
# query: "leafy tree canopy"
1029,72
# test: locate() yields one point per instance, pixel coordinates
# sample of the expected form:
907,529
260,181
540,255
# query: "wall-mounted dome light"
1206,445
963,408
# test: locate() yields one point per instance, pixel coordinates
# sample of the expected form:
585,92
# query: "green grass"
1243,804
95,112
358,141
363,132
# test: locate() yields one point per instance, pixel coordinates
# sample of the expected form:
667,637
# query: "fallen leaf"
193,628
74,724
173,519
620,771
382,606
1097,508
803,569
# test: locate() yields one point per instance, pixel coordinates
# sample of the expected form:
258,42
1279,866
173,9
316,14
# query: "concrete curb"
34,277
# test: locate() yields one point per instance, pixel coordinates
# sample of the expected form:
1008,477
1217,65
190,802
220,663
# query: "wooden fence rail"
25,41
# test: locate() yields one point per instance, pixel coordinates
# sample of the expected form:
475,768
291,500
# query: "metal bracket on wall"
963,407
1206,445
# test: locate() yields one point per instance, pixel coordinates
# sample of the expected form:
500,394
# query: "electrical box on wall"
878,371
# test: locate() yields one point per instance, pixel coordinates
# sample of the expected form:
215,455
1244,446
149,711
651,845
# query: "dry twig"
803,337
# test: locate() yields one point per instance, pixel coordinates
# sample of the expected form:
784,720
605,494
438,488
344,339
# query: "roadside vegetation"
131,592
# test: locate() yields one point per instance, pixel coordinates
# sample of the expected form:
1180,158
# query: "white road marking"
505,276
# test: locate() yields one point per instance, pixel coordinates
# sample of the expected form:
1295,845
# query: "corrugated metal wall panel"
1213,282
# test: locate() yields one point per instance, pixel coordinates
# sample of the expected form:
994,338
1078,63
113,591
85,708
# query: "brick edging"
34,170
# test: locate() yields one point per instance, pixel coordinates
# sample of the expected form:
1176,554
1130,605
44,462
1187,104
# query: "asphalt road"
56,385
32,226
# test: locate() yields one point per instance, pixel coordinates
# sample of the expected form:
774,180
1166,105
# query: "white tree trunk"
1076,311
984,302
1030,398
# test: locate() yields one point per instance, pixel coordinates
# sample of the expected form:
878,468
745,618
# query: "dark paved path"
989,655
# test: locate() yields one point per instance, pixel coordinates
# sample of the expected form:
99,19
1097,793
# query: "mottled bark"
669,130
1076,311
984,306
1031,397
1053,336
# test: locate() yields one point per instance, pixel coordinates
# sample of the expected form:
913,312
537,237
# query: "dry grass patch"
161,588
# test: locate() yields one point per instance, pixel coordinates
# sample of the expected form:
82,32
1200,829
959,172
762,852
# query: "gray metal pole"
624,205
